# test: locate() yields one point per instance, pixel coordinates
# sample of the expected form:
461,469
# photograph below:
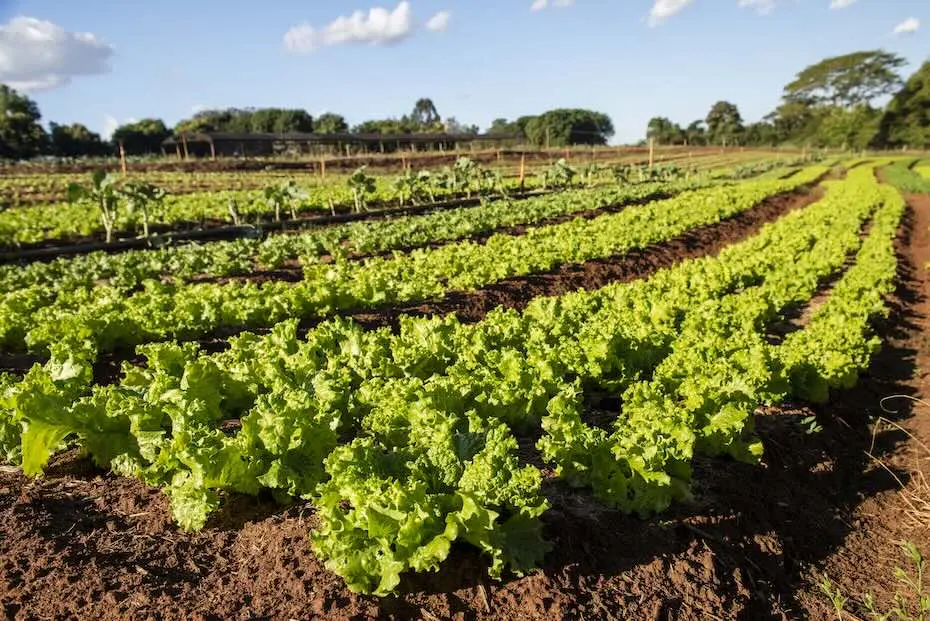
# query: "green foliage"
724,123
847,81
21,135
906,122
663,131
901,176
566,127
428,410
330,123
142,137
144,199
102,193
362,185
285,195
559,175
424,113
248,121
76,140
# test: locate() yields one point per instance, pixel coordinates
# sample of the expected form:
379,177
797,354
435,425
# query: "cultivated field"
465,388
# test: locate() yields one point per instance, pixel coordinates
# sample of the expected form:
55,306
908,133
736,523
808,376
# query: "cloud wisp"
663,9
908,26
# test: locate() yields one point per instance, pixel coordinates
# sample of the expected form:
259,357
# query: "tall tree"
21,135
696,133
906,122
568,126
847,81
425,113
724,123
664,131
75,140
330,123
142,137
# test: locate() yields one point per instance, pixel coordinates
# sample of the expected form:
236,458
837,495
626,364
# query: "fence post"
122,157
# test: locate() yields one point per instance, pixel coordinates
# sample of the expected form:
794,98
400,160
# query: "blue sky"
491,58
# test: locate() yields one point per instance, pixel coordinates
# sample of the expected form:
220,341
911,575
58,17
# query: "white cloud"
841,4
539,5
378,26
663,9
438,22
763,7
908,26
38,55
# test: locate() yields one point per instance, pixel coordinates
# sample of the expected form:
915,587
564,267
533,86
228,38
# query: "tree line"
833,103
22,135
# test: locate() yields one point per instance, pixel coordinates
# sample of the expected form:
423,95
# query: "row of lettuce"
63,221
406,441
128,269
104,316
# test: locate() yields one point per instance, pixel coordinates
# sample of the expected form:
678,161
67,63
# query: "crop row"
902,176
405,442
129,269
108,318
66,221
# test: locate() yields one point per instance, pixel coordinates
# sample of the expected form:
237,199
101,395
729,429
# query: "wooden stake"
122,157
212,151
184,142
522,168
652,146
567,154
322,168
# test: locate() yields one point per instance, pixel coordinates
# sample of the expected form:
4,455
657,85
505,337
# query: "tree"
724,123
760,134
142,137
906,122
75,140
696,133
663,131
386,126
452,126
847,81
21,135
794,121
330,123
853,128
568,126
424,113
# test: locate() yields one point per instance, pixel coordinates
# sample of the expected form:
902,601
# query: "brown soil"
518,291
